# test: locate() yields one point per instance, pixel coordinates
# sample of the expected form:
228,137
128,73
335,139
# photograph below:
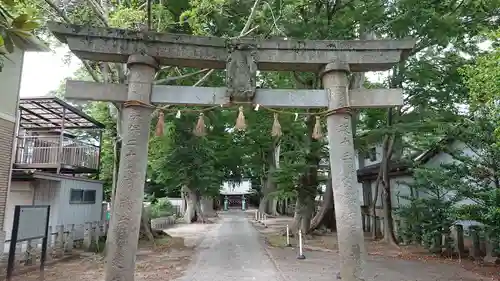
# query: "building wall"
21,193
399,189
445,158
56,193
79,213
236,188
47,192
10,79
6,139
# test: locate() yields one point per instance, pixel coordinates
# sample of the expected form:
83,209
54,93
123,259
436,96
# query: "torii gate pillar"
127,209
346,195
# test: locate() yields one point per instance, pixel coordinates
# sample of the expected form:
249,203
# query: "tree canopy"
450,86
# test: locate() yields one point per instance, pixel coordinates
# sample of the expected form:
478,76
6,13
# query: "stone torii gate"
242,58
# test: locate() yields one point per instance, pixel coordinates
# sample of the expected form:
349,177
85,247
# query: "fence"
62,241
466,239
162,223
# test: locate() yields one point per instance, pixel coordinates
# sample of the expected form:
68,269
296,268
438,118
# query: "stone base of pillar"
2,239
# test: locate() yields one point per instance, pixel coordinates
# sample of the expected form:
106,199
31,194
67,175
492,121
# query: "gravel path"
232,251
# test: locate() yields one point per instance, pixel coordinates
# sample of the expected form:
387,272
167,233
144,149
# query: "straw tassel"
317,129
199,130
160,125
240,121
276,131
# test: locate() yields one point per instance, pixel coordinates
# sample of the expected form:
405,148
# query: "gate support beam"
185,95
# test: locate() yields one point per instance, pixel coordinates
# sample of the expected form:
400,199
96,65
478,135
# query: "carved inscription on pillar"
241,70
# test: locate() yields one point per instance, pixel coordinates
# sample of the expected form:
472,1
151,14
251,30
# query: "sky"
36,82
44,71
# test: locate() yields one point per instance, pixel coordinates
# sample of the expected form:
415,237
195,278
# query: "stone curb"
268,253
305,247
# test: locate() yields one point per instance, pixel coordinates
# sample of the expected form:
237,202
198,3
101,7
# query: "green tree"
429,214
430,78
483,81
16,30
464,188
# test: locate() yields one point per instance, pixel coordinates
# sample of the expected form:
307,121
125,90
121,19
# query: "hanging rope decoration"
200,129
240,121
276,130
160,125
316,134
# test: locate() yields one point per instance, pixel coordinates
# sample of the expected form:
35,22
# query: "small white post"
288,236
256,215
265,221
301,254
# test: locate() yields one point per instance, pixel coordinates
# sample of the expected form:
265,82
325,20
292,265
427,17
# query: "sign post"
30,222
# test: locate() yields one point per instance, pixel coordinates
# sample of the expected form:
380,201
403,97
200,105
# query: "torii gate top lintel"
116,45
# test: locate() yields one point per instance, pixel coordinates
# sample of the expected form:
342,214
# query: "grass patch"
166,243
321,241
278,240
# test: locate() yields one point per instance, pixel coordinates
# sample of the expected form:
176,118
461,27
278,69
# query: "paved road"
232,252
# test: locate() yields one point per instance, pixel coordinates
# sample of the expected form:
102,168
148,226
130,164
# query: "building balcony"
47,153
46,139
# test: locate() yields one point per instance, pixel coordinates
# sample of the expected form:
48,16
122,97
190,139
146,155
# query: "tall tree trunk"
116,163
199,212
389,235
269,185
193,211
267,189
145,231
373,206
304,208
273,206
307,191
207,206
326,214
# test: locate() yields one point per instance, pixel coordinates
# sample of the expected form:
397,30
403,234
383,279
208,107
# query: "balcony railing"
46,151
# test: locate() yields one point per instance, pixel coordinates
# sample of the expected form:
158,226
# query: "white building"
401,176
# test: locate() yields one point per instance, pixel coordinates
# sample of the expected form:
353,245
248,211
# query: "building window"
82,196
371,154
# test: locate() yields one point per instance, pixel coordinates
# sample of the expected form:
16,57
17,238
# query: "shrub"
162,208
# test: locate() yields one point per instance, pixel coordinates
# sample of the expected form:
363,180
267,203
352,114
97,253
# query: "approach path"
232,251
